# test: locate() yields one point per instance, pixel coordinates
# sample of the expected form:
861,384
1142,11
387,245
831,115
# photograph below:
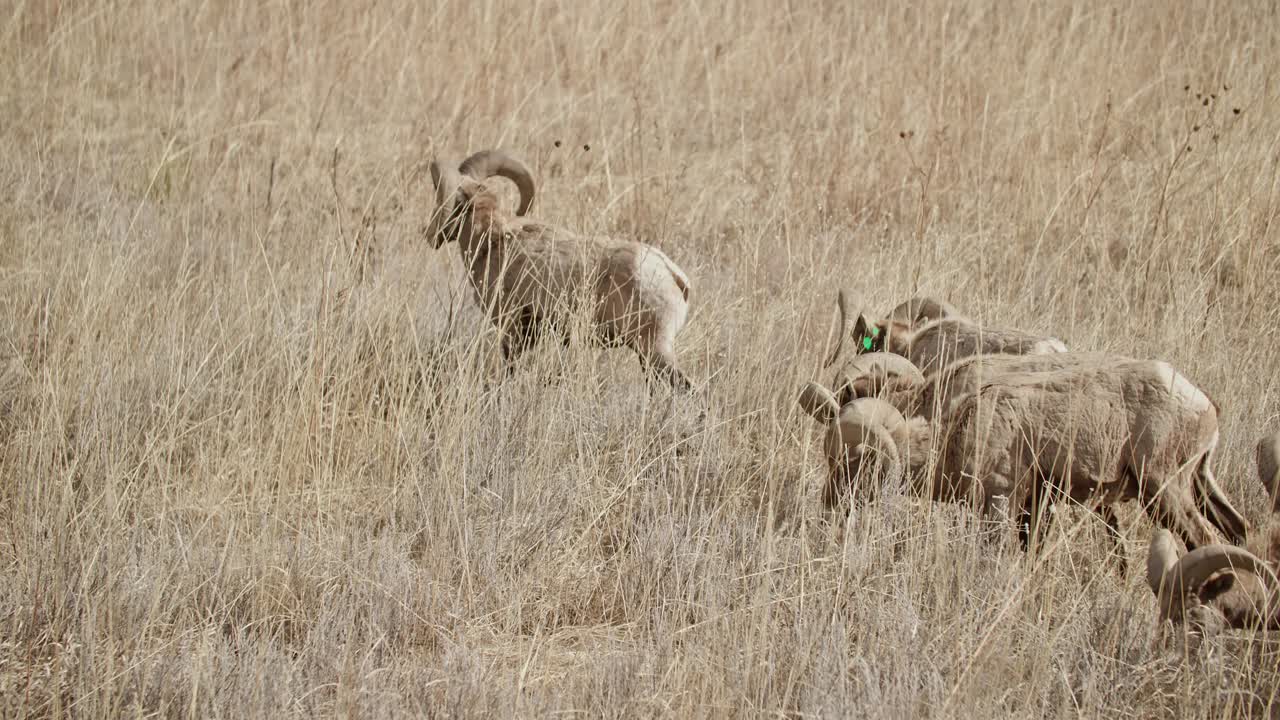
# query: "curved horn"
1194,568
487,163
445,178
845,328
818,402
889,450
883,368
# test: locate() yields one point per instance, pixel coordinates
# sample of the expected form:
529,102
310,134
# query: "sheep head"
859,442
1186,587
465,204
868,335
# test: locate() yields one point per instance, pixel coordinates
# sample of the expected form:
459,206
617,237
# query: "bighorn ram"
1206,586
530,277
1097,428
931,334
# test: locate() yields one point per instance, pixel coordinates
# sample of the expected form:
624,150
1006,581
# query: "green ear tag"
866,343
875,332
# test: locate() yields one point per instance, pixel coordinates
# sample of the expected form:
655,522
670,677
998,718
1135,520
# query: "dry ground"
249,466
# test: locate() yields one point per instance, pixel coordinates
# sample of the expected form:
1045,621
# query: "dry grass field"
254,461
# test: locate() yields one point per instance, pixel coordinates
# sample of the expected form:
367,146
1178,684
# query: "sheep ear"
818,402
444,222
1217,586
868,336
434,231
446,180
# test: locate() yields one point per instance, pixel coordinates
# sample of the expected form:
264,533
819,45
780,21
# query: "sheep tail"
682,280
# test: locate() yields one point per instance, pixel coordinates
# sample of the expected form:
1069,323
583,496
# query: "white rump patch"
1181,388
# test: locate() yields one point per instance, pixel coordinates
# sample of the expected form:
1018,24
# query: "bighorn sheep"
1206,586
1097,428
530,277
934,336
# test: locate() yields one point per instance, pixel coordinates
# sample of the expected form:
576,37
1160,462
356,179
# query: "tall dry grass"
249,466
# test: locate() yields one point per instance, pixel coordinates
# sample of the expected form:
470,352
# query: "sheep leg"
523,333
1033,520
512,348
1118,557
995,516
1217,506
661,363
667,370
1170,505
557,373
555,328
679,382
